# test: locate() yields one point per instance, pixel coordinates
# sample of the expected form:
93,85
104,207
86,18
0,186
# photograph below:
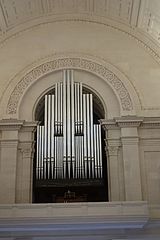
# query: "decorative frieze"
74,63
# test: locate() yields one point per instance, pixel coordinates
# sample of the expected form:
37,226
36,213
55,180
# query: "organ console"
69,143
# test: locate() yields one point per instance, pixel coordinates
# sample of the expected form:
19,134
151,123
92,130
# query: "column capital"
112,146
112,150
26,148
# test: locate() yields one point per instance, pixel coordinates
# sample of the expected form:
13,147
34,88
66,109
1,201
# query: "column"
114,190
24,173
113,144
24,176
130,146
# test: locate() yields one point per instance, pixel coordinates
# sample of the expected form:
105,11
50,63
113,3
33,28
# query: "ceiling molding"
124,16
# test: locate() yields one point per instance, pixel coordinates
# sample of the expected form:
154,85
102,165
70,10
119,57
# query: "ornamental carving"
74,63
112,150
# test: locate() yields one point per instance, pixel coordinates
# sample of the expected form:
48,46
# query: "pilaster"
8,159
131,161
122,135
24,179
13,162
24,172
112,143
114,188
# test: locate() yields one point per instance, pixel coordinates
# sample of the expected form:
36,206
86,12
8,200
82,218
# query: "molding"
154,143
129,122
29,126
15,124
13,143
123,122
130,140
106,215
74,63
109,124
10,124
152,123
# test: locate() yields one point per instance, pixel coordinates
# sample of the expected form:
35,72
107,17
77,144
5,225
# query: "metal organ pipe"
85,137
37,157
72,126
45,138
64,124
69,143
52,137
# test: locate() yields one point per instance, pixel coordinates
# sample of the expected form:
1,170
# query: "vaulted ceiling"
140,15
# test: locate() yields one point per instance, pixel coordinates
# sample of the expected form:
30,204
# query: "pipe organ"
69,143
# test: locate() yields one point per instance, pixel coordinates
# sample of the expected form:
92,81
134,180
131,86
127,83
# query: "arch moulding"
118,86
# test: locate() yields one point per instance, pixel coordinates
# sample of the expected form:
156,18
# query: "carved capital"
112,150
26,148
112,146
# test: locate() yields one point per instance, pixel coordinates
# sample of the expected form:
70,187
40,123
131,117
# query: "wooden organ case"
69,147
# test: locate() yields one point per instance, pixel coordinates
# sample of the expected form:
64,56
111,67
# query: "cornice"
10,124
131,121
121,122
15,124
109,124
151,123
29,126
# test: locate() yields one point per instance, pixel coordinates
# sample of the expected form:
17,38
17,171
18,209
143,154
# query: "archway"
70,163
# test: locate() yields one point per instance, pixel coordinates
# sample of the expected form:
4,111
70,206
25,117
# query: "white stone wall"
119,67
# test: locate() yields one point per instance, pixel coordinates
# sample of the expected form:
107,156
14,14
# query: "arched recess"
117,95
70,154
105,98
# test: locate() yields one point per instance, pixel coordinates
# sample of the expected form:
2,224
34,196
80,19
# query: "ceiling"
142,15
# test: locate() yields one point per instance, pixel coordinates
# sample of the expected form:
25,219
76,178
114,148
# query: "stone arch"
116,80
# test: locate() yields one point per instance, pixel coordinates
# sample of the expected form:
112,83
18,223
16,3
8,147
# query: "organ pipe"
69,143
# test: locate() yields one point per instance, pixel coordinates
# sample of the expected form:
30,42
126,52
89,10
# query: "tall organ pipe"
72,126
64,124
52,137
69,143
